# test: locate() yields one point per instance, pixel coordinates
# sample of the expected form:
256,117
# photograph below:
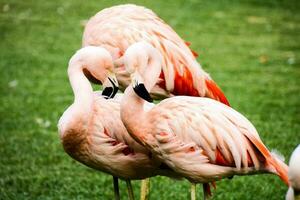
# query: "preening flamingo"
199,138
118,27
294,176
91,130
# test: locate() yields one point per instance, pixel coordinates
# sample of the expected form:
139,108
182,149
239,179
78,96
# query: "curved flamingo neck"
132,108
82,89
83,99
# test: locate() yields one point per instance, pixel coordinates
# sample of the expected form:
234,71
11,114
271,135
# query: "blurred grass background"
251,49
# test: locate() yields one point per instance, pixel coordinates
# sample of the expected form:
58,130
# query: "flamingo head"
143,63
97,65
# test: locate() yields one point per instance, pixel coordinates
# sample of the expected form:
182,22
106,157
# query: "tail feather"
214,92
281,169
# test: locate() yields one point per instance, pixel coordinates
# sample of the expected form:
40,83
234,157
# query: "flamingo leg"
130,191
206,191
116,188
145,188
193,191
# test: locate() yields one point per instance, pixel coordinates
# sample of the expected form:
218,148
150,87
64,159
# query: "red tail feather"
214,92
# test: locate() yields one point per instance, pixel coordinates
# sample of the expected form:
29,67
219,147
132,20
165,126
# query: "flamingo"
91,130
199,138
294,176
117,27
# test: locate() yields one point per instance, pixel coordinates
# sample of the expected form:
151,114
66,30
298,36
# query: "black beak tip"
115,91
107,92
142,92
110,92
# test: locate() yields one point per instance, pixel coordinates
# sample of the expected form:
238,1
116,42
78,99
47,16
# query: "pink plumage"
91,130
118,27
199,138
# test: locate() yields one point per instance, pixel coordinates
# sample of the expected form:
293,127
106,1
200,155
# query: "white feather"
294,174
277,155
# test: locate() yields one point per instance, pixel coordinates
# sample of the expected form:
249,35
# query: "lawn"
250,48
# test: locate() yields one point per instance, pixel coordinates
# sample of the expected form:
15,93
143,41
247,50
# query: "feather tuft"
277,155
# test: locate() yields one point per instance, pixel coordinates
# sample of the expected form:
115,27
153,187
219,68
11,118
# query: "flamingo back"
208,140
118,27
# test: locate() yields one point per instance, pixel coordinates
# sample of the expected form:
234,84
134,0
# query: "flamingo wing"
210,132
119,27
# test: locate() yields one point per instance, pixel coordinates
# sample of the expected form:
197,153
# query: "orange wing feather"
280,167
214,92
183,85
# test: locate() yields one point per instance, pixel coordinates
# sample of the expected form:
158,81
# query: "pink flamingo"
199,138
118,27
91,130
294,176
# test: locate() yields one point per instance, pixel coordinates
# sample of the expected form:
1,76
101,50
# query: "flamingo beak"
110,86
139,87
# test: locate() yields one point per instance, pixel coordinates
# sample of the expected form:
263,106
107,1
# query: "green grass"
251,49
